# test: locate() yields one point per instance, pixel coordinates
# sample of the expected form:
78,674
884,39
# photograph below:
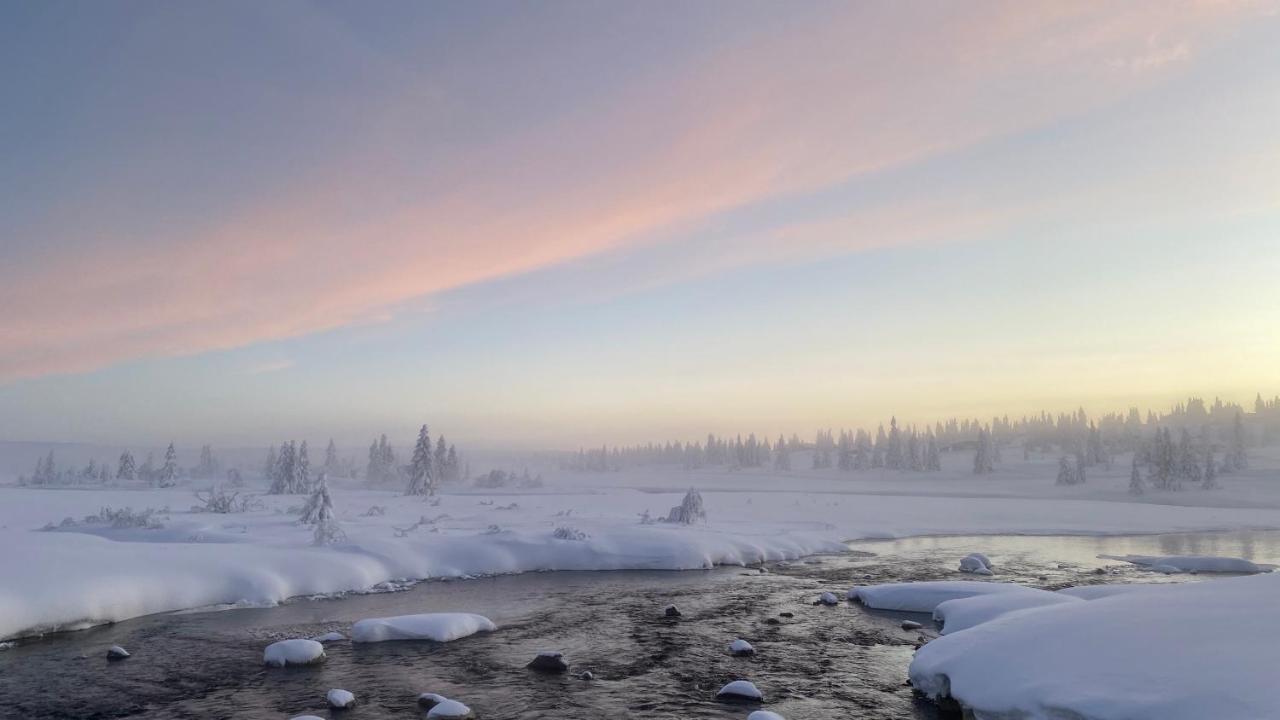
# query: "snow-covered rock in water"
962,613
911,624
440,627
430,700
548,661
740,691
1191,563
765,715
925,596
115,652
1173,652
586,675
741,647
828,598
293,652
340,699
671,611
306,717
975,563
450,709
330,637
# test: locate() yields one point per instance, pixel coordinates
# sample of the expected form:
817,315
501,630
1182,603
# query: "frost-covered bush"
568,533
375,511
218,500
689,511
125,518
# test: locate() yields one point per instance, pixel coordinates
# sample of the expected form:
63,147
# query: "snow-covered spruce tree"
1236,458
269,466
1066,473
168,475
208,465
327,531
781,457
932,460
440,461
330,459
1136,486
420,480
689,511
1079,479
282,473
126,470
147,473
318,498
915,458
983,460
1187,465
877,451
844,453
1210,472
861,450
454,473
302,478
893,453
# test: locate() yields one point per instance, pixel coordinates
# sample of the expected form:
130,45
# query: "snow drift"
440,627
1169,652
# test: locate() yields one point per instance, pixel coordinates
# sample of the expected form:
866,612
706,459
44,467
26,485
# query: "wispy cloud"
827,97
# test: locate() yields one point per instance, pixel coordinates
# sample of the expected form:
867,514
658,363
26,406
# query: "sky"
566,223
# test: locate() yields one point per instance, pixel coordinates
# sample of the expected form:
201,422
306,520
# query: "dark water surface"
822,662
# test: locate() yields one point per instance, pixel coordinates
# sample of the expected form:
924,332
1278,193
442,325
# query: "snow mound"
925,596
741,647
740,690
115,652
1118,657
964,613
765,715
293,652
975,563
440,627
340,699
330,637
828,598
1191,563
446,708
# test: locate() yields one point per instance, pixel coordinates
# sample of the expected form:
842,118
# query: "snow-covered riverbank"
84,574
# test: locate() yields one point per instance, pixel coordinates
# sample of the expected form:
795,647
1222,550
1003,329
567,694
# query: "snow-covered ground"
1183,651
84,574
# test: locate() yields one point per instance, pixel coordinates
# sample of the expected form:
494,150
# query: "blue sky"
576,223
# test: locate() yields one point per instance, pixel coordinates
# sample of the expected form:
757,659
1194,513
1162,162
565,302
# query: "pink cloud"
787,111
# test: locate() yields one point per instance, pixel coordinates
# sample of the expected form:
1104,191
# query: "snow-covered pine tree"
1079,477
439,463
1066,474
331,459
877,451
302,471
208,466
420,481
126,470
893,452
1210,472
1187,465
915,459
269,467
147,473
452,464
1236,457
933,461
861,450
1136,486
168,475
319,497
327,531
781,458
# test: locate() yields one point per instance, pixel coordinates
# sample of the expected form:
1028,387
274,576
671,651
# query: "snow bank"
1191,563
1095,592
293,652
441,627
964,613
1123,657
925,596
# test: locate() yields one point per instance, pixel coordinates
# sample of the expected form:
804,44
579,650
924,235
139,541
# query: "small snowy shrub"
493,530
568,533
374,511
217,500
127,518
